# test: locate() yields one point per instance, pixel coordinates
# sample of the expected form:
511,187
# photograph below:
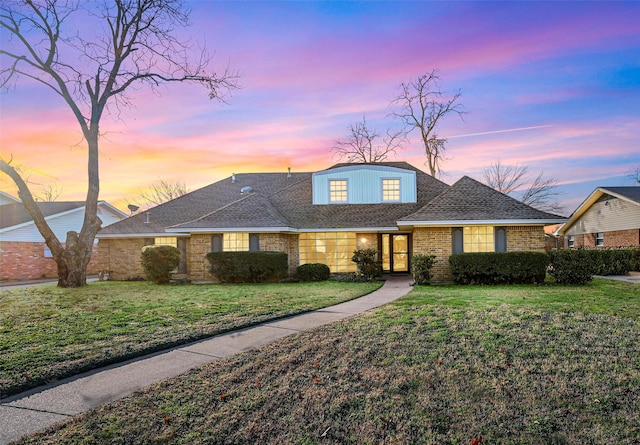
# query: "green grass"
443,365
47,333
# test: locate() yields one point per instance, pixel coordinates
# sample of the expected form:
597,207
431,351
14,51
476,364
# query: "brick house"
23,252
609,217
322,217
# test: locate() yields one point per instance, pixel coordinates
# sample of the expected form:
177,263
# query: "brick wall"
435,241
622,238
617,238
438,241
121,257
24,261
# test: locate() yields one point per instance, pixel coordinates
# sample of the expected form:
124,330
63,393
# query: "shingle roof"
470,200
632,193
281,200
14,214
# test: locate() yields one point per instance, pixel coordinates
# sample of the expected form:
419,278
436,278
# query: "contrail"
498,131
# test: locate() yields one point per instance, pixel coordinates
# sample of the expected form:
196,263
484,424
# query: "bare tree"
540,192
132,44
423,106
49,192
362,144
162,191
634,175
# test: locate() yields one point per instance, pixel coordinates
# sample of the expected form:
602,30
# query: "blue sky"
554,86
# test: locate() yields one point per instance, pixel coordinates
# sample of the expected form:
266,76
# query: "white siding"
60,224
607,216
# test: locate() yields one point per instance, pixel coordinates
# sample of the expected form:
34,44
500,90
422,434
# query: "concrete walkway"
41,407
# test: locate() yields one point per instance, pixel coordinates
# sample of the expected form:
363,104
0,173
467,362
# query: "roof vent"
246,189
233,177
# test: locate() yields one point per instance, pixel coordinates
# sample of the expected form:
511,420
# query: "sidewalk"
41,407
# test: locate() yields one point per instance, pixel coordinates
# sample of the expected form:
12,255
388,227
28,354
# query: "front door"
395,253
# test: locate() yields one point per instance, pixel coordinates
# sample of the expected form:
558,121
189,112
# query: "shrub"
421,268
499,267
159,261
368,265
313,272
578,266
571,266
254,267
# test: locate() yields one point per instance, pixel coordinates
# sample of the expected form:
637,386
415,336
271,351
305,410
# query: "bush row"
579,266
499,267
253,267
159,261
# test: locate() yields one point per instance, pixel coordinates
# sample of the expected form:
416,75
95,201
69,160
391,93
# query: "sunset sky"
554,86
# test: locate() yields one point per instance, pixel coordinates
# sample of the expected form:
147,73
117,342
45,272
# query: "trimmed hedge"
159,261
313,272
499,267
253,267
421,268
579,265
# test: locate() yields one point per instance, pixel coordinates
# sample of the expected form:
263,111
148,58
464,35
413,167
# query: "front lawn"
47,333
444,365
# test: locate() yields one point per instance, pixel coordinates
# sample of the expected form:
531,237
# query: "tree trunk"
72,264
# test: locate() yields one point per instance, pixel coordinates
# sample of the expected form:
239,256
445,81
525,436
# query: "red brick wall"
618,238
24,261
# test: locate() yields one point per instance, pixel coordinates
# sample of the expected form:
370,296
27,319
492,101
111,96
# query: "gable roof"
6,198
14,214
629,194
470,200
284,202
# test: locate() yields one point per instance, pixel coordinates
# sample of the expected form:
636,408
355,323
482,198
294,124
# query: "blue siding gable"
364,184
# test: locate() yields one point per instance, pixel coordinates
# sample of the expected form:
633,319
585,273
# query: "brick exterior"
617,238
24,261
438,241
121,257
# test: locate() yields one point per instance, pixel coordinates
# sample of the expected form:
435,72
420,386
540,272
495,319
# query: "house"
323,216
609,217
23,252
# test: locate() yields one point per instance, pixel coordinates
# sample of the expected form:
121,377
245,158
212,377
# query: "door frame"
390,246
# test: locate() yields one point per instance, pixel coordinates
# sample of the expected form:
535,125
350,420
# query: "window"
235,242
254,242
166,241
338,190
478,239
600,239
47,252
391,190
571,241
334,249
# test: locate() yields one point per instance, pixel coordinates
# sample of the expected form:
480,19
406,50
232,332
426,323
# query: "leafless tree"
634,175
541,192
363,143
160,192
422,106
49,192
92,55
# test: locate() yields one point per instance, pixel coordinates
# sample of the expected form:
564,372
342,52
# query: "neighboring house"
6,198
322,217
23,252
609,217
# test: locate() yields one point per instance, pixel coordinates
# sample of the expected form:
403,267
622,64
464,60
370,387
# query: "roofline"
230,229
61,214
140,235
477,222
587,203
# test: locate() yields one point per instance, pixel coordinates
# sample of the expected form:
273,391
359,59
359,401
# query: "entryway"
395,252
